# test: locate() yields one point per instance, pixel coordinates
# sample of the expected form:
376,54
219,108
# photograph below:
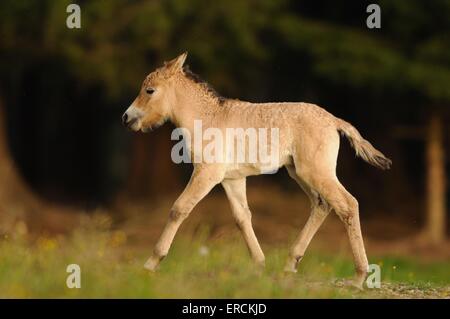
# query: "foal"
308,147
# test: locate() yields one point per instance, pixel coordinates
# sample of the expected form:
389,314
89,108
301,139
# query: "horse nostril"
124,118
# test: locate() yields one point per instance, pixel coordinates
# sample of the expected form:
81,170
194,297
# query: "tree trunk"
20,208
17,201
436,182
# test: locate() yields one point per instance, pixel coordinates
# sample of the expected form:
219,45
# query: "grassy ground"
198,267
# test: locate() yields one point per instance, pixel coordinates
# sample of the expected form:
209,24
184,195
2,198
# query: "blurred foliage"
312,51
200,268
120,41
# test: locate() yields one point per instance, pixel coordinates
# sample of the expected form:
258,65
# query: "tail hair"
362,147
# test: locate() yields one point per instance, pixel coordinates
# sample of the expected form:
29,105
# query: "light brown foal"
307,145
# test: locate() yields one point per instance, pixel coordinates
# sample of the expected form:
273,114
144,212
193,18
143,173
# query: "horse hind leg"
346,207
316,166
319,211
236,193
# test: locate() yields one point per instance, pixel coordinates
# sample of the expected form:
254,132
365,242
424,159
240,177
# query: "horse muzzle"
131,119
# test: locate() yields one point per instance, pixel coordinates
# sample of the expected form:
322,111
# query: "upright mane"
197,79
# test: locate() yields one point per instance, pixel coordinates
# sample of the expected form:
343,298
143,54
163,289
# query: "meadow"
197,267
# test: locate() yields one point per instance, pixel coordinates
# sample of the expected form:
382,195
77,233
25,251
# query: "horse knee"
178,213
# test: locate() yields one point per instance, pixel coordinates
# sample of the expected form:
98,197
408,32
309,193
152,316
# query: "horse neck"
193,103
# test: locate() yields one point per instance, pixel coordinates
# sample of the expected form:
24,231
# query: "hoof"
151,264
350,283
291,265
357,284
359,280
260,267
290,270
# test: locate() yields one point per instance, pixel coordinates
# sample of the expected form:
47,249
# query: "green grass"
111,267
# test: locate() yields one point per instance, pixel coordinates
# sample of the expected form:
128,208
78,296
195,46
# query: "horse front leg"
203,179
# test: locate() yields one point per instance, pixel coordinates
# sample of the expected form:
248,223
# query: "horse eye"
150,91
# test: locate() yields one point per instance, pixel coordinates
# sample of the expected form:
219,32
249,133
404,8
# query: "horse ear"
177,63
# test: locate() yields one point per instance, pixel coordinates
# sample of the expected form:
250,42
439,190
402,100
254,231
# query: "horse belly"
241,170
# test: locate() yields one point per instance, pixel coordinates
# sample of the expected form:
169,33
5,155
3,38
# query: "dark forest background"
63,91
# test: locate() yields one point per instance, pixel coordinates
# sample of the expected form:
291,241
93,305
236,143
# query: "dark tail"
363,148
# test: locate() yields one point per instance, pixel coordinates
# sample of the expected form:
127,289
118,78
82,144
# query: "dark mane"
197,79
